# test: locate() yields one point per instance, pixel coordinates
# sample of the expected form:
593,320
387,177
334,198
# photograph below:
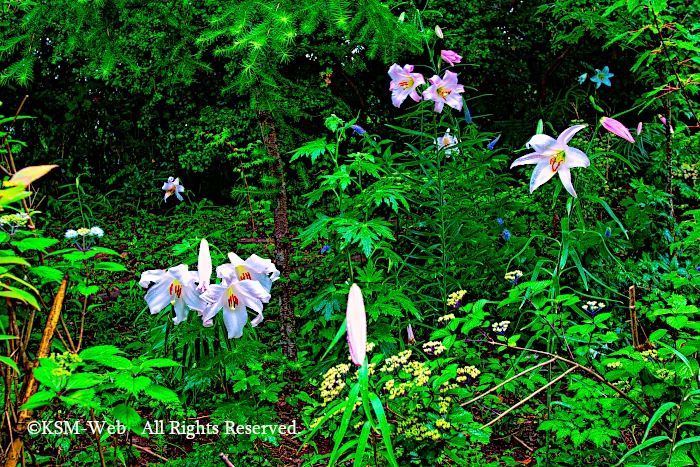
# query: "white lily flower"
446,142
255,268
175,286
234,297
553,156
172,186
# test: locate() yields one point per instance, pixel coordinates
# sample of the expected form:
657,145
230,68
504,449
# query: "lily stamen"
176,288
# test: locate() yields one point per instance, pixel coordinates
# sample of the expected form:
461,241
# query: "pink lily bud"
356,321
438,31
450,57
613,126
663,119
639,129
411,337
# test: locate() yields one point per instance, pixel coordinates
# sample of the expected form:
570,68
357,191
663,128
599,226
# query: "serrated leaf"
31,243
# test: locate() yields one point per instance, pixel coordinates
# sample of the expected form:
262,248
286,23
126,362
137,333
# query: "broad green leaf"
109,266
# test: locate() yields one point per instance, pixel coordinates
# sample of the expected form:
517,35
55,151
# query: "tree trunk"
281,237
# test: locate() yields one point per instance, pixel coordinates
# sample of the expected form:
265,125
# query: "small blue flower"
697,268
325,249
500,221
358,129
493,143
506,234
582,78
467,115
608,232
602,77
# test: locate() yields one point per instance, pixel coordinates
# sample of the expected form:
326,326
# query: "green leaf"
644,445
362,444
158,363
109,266
83,398
312,149
47,274
32,243
127,415
82,380
595,106
383,427
95,353
657,415
161,394
8,361
39,399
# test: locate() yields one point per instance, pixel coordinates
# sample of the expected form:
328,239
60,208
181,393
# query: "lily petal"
565,176
235,321
542,174
532,158
541,143
569,133
576,158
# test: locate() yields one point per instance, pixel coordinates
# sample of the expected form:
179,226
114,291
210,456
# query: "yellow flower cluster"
688,171
433,348
513,275
397,391
467,373
83,231
652,354
20,219
419,371
395,362
446,386
623,386
454,298
370,346
442,424
333,382
64,361
412,428
614,365
446,319
665,374
444,403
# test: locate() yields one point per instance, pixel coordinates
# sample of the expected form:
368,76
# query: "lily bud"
639,129
402,17
438,32
613,126
356,321
204,266
411,337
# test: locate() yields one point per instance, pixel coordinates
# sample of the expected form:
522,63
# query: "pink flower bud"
411,337
438,31
356,321
663,119
450,57
613,126
639,129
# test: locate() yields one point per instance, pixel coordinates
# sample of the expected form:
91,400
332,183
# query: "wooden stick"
509,380
633,317
30,386
554,381
225,460
146,450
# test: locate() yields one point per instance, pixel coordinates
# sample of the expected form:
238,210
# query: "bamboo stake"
31,385
508,381
554,381
633,317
